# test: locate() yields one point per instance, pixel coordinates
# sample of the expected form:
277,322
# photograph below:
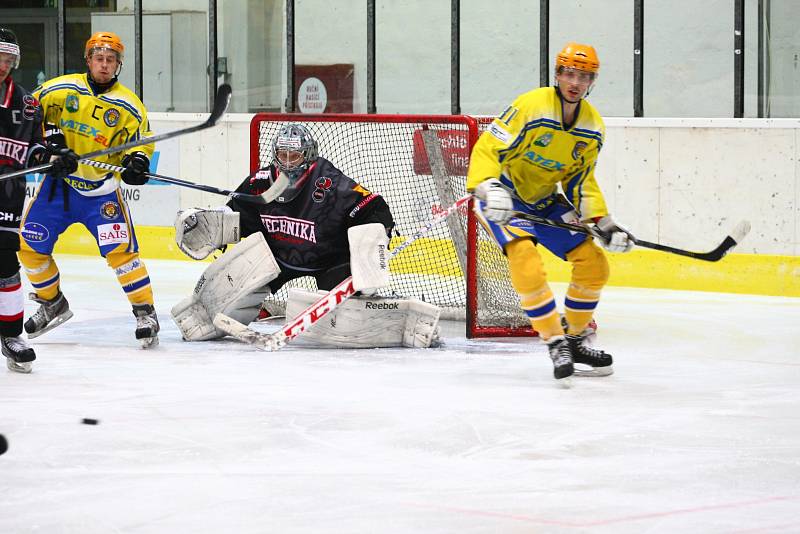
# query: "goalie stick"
730,241
221,102
265,198
319,309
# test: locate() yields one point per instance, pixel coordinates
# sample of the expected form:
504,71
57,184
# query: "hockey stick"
730,241
221,102
265,198
343,291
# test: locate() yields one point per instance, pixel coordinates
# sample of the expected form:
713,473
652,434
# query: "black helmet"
9,44
293,137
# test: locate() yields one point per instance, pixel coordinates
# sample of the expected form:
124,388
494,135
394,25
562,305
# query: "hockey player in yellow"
85,113
546,137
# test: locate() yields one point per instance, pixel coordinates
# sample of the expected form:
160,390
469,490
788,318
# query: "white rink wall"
680,181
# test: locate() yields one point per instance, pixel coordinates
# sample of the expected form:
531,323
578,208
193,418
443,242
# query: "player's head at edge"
576,71
9,53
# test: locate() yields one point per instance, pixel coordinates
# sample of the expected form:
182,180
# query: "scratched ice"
698,430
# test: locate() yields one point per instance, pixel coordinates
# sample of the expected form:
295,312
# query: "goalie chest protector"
310,231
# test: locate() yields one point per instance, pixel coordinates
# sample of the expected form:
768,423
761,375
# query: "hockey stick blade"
221,102
243,333
717,254
727,244
276,189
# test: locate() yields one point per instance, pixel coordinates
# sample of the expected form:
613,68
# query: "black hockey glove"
65,162
136,166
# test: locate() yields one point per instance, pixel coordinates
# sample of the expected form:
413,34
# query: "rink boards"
761,274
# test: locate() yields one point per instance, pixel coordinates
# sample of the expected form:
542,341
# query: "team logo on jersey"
540,161
544,139
112,233
360,205
30,105
35,232
79,184
13,149
499,133
578,149
322,185
111,117
109,210
300,229
71,103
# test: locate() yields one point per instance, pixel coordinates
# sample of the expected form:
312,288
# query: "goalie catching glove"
612,236
499,207
199,232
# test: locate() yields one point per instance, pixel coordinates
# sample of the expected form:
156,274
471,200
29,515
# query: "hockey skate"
146,325
50,314
599,361
18,354
560,353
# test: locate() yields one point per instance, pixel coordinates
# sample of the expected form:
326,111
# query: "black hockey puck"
3,444
87,421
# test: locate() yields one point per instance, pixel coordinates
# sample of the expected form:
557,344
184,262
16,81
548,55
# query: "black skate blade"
564,383
57,321
149,342
19,367
593,371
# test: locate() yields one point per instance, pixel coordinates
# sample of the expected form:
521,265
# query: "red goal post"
418,163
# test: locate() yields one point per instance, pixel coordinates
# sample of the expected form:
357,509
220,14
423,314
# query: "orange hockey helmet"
105,40
578,56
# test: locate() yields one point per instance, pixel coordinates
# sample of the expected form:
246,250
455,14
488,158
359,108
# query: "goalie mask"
9,45
294,151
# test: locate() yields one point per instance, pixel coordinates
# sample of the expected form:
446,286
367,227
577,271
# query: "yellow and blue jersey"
530,148
92,122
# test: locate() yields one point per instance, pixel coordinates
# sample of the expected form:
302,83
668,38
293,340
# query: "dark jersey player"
20,143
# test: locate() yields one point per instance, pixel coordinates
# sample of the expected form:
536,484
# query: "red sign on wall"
455,152
324,88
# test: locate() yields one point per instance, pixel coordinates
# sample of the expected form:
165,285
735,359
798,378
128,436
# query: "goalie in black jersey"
322,224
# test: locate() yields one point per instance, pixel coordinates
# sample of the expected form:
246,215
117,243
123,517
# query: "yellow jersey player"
84,113
546,137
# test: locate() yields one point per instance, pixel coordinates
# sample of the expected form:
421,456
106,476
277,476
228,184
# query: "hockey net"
418,163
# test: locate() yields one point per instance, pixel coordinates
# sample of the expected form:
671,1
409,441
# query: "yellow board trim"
759,274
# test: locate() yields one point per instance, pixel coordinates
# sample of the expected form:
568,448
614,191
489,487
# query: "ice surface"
698,430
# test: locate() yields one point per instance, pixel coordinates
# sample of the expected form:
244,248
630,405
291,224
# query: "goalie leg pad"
235,284
362,322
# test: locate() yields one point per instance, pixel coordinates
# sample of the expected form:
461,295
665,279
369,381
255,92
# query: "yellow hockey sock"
530,281
132,276
589,276
41,270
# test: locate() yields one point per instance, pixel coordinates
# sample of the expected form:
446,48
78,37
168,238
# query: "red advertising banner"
455,152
